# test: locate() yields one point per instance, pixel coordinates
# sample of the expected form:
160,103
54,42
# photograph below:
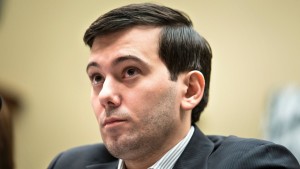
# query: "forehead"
138,41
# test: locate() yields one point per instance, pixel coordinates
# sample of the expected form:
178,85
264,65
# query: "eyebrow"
92,64
126,58
119,60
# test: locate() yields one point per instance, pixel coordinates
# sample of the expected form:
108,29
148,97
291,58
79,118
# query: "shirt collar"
170,158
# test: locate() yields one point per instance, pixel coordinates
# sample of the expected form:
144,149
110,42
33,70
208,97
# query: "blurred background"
43,58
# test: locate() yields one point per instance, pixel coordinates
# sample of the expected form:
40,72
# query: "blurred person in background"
6,138
6,130
283,122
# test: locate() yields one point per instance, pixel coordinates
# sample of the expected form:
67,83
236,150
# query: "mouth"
112,121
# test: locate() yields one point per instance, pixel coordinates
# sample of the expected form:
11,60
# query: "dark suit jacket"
202,152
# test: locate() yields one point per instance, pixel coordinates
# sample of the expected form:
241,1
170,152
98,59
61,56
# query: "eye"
96,79
130,72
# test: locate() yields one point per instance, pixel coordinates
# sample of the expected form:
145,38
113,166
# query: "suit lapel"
111,165
196,153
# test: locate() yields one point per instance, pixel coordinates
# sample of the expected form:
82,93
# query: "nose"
109,95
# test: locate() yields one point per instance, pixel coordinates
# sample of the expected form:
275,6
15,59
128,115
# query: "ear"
195,83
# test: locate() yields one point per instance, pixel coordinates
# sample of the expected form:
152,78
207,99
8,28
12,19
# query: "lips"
112,120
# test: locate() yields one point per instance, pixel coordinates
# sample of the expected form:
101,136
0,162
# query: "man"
150,73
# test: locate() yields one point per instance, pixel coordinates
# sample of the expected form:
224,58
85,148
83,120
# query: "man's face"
136,104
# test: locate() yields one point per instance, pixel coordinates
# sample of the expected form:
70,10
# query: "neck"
148,159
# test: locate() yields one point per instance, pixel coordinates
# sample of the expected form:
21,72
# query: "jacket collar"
110,165
196,152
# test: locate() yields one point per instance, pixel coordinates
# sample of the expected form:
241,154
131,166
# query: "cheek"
142,96
96,106
147,96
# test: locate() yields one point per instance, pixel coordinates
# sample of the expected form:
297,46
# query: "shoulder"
233,142
80,157
238,152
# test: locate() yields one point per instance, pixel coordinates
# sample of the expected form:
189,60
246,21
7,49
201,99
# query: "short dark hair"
181,48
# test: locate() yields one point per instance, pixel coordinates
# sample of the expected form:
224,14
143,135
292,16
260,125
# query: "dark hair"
181,48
